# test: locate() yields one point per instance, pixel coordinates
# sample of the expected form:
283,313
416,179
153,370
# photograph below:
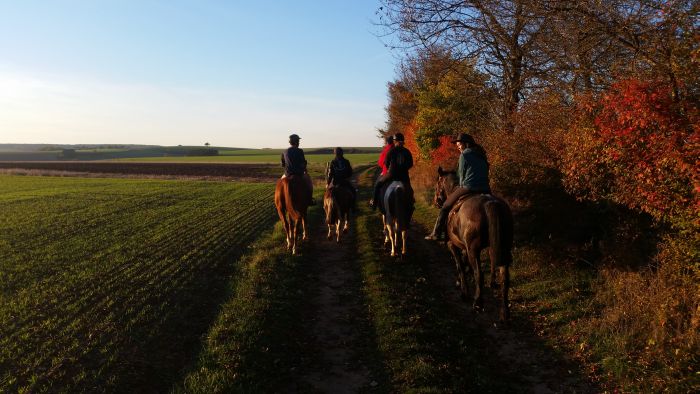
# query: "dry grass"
647,334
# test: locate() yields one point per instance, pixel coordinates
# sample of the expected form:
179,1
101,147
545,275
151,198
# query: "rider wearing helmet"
398,161
294,163
473,173
340,172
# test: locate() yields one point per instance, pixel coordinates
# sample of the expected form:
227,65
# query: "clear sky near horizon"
231,73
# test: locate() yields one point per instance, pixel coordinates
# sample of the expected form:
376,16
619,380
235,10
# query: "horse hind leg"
303,228
338,231
403,242
295,227
390,237
288,233
330,231
387,238
504,274
492,261
346,226
458,257
474,261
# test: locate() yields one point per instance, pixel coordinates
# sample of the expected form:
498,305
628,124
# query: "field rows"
96,272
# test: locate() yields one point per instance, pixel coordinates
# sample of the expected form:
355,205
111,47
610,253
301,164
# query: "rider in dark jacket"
340,172
398,161
294,163
473,173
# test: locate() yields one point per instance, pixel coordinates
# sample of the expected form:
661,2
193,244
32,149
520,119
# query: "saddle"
463,199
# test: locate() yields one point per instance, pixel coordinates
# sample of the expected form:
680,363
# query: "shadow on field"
517,354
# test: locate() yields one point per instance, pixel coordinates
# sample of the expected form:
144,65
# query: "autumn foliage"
641,150
445,155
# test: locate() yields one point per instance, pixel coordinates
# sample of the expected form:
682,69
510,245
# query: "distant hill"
50,152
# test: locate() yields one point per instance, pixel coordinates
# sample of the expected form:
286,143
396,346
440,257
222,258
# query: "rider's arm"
303,159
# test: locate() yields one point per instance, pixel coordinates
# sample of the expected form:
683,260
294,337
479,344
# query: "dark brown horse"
337,201
475,223
292,201
396,206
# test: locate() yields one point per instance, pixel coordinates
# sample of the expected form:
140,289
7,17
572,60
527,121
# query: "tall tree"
502,36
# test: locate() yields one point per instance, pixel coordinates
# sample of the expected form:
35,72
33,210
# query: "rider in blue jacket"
473,173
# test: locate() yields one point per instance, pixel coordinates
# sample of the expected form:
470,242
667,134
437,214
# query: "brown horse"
396,206
475,223
292,201
337,201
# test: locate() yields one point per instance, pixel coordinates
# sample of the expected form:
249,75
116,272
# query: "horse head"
444,185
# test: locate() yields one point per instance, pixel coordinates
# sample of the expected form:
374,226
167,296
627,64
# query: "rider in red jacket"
382,156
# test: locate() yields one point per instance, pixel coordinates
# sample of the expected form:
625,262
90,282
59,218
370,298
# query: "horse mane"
451,179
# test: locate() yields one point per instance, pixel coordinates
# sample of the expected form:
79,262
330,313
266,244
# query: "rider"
398,161
294,163
340,172
382,156
473,172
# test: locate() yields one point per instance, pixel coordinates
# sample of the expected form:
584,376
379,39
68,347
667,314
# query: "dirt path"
337,318
525,357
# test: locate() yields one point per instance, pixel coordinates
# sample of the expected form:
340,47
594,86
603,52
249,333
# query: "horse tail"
328,205
336,203
332,210
500,232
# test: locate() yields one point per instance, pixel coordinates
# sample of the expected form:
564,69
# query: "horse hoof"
329,237
345,230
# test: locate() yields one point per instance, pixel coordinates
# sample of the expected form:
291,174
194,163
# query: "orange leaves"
445,155
645,142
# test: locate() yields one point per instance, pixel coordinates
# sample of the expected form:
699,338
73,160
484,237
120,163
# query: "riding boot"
439,228
375,198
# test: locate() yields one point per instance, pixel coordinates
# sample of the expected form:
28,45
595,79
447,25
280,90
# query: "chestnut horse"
292,201
337,201
396,207
475,223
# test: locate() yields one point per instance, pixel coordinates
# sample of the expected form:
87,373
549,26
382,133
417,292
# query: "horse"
396,207
475,223
337,201
292,201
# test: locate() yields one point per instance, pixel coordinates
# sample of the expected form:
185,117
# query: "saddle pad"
464,198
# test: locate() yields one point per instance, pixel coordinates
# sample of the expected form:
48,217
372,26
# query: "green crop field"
110,283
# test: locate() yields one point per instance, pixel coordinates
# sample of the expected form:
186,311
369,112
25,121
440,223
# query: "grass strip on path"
425,344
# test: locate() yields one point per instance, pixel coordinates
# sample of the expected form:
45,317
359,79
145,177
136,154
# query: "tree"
206,144
438,95
502,37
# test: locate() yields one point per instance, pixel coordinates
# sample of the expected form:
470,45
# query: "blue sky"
231,73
